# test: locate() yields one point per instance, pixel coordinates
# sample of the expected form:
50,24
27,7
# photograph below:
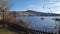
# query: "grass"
4,31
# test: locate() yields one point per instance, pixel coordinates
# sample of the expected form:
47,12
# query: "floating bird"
42,18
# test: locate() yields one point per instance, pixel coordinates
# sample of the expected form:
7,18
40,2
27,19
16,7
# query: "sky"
48,6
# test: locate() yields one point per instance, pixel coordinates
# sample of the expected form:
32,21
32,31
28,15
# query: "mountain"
33,13
42,14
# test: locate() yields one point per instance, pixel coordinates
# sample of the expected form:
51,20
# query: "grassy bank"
4,31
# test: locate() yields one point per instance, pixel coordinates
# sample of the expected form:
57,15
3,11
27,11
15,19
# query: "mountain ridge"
33,13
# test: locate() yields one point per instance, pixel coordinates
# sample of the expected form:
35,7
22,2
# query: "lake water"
38,23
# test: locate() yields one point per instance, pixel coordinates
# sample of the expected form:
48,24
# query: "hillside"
33,13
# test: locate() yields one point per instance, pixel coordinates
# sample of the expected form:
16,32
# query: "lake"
40,22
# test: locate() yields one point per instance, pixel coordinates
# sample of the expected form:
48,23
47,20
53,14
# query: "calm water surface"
38,23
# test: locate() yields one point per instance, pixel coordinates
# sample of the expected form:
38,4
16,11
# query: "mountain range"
33,13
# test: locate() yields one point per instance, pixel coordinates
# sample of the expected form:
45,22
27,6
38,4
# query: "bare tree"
4,4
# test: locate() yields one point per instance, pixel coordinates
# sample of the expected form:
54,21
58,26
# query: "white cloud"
54,6
57,12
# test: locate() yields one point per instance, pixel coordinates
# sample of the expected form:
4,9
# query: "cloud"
51,6
57,12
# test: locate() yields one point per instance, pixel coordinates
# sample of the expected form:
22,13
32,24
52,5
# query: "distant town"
32,13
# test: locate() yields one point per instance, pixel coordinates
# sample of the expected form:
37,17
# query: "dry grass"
4,31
